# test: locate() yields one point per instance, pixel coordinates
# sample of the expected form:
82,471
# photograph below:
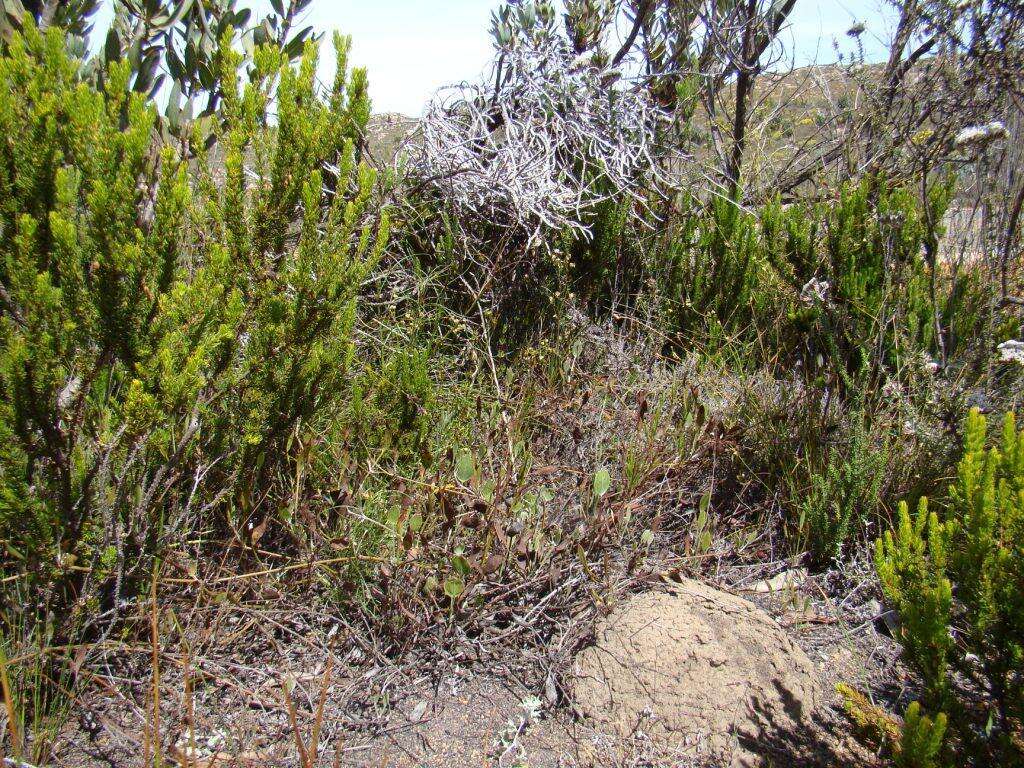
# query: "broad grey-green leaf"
465,467
453,587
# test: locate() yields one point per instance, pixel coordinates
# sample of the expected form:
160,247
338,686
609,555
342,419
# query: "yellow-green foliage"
914,743
978,546
97,374
911,567
299,249
729,273
921,739
165,347
872,723
986,559
391,405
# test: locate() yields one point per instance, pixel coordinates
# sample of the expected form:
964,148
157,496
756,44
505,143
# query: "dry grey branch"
542,145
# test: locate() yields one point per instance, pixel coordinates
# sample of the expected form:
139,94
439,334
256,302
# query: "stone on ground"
699,671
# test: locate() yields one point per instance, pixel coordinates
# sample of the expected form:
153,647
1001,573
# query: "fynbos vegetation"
638,307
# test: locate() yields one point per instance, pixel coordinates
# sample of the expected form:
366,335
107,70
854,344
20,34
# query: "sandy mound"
697,670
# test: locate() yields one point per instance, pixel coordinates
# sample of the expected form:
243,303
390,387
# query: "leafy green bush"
833,462
298,251
100,374
921,739
852,288
873,295
914,743
714,279
975,549
918,589
391,408
166,349
844,494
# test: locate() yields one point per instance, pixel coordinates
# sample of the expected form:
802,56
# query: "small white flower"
531,707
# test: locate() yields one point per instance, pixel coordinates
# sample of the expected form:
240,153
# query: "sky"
412,47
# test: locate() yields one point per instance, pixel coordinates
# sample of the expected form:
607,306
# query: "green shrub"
105,343
596,264
392,406
713,277
852,288
299,250
916,587
873,262
819,457
874,254
976,549
844,494
986,561
165,349
921,739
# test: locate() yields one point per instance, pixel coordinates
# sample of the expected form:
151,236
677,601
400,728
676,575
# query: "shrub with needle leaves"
975,550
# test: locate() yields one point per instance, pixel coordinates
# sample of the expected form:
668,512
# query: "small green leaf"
465,467
453,587
705,541
461,565
602,482
702,519
705,502
487,490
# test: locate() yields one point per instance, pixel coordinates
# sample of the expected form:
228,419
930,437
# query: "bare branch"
544,148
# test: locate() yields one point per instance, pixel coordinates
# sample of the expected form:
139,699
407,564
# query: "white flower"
981,134
814,291
531,707
1011,351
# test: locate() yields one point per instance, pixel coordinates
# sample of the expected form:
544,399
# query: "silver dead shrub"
546,137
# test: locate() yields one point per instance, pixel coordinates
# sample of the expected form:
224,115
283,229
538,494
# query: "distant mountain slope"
386,132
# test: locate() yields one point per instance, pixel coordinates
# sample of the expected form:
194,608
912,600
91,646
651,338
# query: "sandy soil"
448,705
